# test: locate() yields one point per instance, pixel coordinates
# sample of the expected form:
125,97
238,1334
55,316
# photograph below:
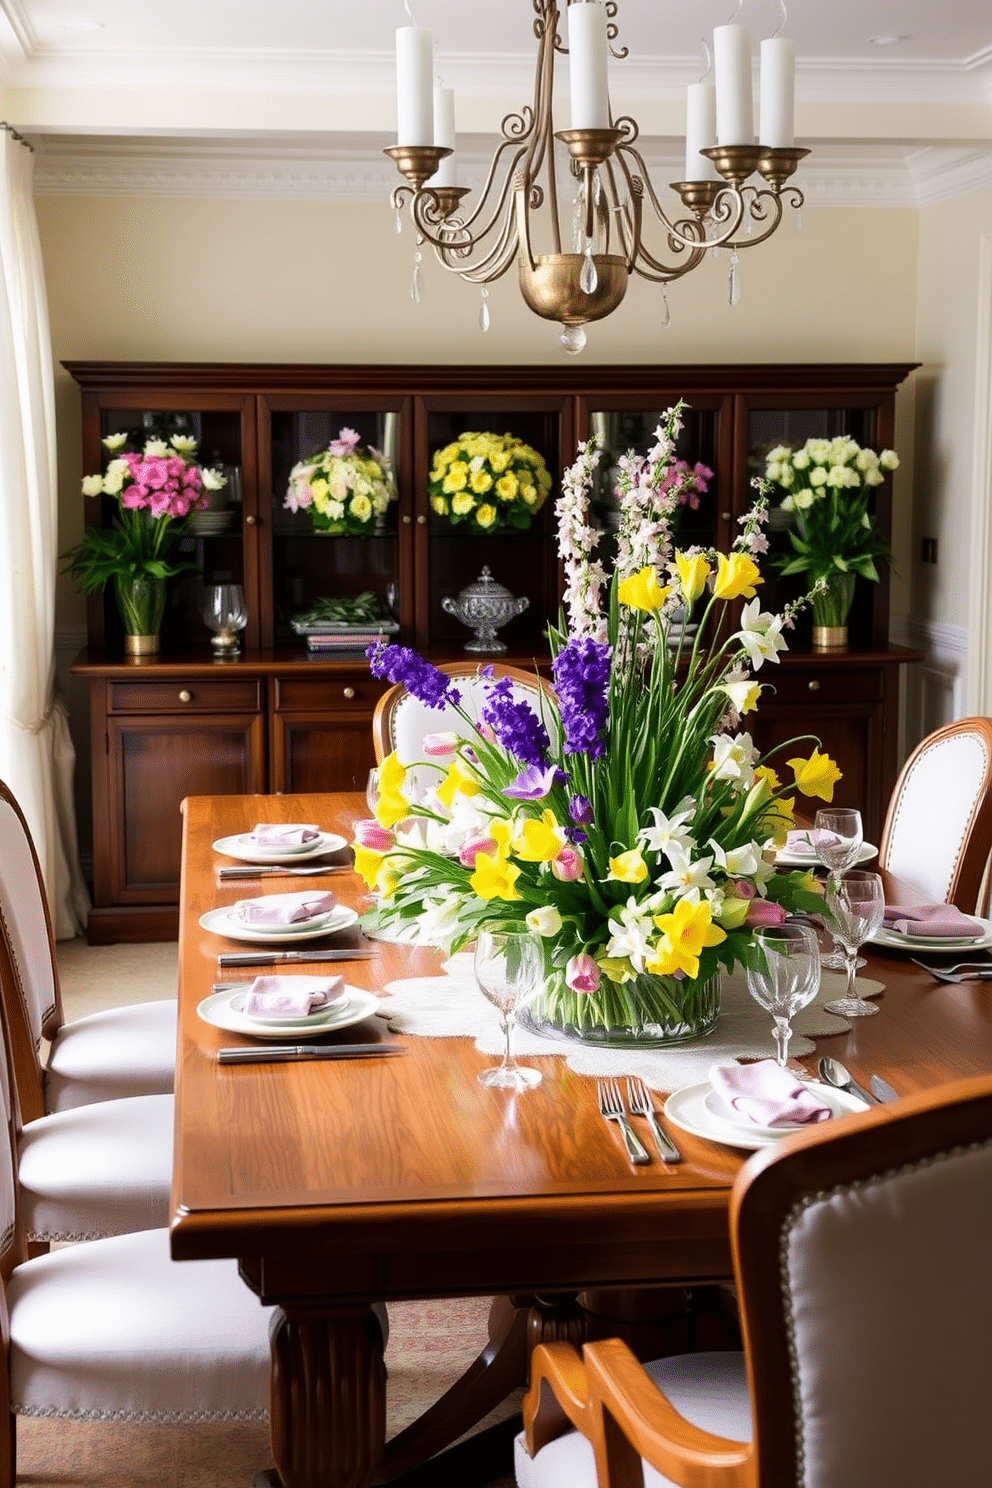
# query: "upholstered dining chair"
113,1329
400,720
937,836
123,1051
861,1256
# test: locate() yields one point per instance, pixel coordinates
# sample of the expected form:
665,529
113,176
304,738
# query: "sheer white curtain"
36,752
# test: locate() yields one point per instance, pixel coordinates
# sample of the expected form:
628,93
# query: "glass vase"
141,606
831,607
648,1010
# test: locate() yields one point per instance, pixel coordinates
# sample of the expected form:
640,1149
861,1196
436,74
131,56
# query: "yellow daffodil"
367,863
629,867
778,820
641,591
391,773
494,878
736,576
685,932
538,841
816,776
386,880
768,775
390,808
459,780
693,571
743,695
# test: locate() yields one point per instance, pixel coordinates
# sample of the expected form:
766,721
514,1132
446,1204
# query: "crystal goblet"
857,906
225,613
839,837
509,967
784,976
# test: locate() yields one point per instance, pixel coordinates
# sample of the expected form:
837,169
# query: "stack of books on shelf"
335,636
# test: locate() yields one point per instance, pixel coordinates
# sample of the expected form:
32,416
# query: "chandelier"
733,195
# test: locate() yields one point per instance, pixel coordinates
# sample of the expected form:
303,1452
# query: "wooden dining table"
340,1184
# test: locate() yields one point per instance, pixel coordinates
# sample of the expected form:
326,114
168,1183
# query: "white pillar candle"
587,65
444,135
414,86
734,100
777,99
700,131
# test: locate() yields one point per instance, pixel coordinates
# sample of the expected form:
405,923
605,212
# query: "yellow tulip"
816,776
693,571
736,576
641,591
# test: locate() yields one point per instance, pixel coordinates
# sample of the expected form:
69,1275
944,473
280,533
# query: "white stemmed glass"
224,612
509,967
856,902
838,839
785,977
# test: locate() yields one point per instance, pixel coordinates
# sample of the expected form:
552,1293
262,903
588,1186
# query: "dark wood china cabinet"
278,718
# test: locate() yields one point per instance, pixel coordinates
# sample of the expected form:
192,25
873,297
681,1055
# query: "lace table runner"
451,1006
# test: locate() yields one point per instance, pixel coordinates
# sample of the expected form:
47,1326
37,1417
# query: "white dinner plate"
217,1010
894,941
219,922
786,859
690,1109
246,851
289,1020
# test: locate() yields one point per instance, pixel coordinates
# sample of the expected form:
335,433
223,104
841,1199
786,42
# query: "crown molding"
328,168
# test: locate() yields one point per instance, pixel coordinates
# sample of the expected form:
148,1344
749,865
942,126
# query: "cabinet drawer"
237,695
357,689
824,685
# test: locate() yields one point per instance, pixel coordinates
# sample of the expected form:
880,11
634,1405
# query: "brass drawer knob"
349,692
250,521
814,686
185,696
727,516
421,521
406,521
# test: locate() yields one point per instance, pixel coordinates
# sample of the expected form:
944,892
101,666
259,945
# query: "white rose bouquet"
344,489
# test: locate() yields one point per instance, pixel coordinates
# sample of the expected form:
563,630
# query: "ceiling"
902,85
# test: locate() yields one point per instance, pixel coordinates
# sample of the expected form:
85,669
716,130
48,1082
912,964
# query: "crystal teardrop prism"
484,312
417,280
666,314
798,221
573,339
588,278
397,221
734,285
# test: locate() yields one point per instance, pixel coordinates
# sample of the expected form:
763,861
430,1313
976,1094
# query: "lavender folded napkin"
767,1094
282,909
290,996
806,840
930,919
283,834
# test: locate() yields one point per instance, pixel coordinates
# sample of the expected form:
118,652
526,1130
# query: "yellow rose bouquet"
486,482
346,489
632,825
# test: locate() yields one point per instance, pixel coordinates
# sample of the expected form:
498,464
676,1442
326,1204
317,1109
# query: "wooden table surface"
338,1184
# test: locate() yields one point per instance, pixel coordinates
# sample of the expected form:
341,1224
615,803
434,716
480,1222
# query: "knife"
277,958
267,872
283,1053
881,1089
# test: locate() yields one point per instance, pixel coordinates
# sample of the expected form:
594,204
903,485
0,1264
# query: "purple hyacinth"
423,681
582,675
515,724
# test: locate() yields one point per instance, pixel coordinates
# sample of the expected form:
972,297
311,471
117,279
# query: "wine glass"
838,839
372,790
509,967
225,613
856,902
786,976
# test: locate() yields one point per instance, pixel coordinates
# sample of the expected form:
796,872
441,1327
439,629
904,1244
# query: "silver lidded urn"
484,606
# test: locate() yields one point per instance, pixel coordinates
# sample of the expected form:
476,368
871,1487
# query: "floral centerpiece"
632,825
157,490
828,484
346,490
486,482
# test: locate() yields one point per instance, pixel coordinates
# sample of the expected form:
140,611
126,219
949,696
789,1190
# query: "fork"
981,973
641,1104
612,1108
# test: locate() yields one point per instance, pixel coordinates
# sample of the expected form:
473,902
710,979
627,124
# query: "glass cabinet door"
305,570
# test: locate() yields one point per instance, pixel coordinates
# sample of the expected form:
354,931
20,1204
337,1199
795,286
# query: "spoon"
837,1075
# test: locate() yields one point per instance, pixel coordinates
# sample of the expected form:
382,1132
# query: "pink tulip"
439,746
373,836
741,888
582,974
765,912
472,846
567,865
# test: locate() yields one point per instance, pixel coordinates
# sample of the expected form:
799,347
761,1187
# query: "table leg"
516,1326
328,1408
